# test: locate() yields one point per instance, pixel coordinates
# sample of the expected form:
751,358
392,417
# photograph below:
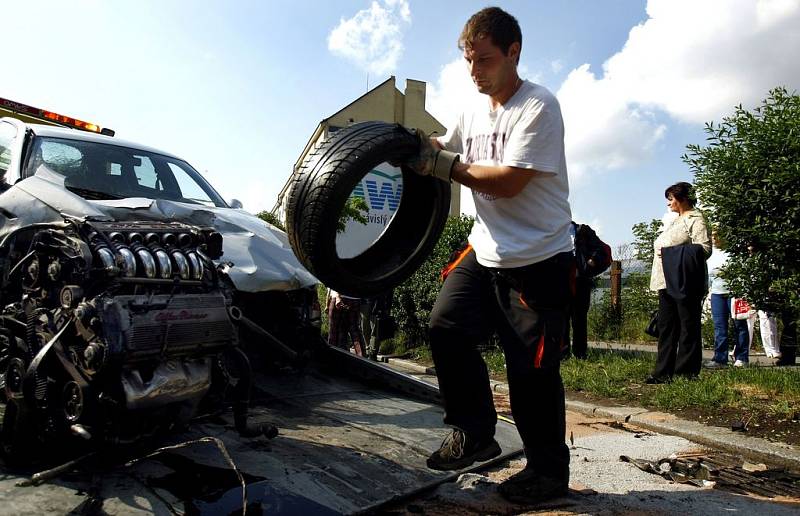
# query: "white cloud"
603,129
454,89
691,60
373,38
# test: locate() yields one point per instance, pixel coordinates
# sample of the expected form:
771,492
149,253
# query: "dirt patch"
769,427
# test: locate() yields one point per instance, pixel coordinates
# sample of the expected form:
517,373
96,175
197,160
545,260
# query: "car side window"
189,188
146,173
7,134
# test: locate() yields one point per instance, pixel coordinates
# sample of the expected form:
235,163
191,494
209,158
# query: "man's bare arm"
499,181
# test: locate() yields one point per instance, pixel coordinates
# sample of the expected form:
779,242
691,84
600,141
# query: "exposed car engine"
113,331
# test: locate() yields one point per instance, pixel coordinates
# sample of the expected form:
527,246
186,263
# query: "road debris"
724,472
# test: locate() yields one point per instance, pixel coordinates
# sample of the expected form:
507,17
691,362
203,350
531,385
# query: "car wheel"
321,188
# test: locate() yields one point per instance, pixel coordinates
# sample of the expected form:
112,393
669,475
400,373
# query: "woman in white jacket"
679,344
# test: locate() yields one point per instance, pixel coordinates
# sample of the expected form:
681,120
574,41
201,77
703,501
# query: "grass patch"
421,354
619,376
764,396
614,375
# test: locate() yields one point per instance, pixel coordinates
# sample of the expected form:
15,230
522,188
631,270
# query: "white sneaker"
774,354
739,363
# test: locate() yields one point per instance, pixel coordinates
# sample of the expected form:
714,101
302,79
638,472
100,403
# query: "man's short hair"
495,23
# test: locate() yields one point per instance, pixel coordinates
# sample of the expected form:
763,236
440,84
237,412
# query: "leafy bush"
355,208
413,300
646,234
271,218
627,324
748,178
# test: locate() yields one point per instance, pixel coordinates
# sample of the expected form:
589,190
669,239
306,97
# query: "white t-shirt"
715,262
526,132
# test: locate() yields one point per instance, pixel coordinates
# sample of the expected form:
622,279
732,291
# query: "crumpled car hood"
261,256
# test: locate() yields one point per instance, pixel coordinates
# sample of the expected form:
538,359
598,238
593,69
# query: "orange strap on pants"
455,259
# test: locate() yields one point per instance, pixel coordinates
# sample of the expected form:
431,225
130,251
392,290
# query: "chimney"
414,111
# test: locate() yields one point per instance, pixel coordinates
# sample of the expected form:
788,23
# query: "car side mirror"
236,204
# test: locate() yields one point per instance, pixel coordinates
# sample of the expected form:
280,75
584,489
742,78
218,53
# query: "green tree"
645,233
355,209
606,322
748,178
271,218
414,298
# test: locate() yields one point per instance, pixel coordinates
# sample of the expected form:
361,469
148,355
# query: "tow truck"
35,115
128,288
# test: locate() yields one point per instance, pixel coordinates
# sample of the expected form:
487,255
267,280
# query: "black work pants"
527,308
577,319
680,349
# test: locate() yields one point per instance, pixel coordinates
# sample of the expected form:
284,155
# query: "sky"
236,88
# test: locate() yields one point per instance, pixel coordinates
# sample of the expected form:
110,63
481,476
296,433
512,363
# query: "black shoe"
656,380
459,451
529,488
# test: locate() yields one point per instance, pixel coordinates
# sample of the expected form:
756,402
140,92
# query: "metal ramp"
345,446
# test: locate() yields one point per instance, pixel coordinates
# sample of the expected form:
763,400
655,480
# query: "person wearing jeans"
721,314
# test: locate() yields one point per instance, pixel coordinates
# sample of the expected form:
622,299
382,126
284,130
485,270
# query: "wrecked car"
127,289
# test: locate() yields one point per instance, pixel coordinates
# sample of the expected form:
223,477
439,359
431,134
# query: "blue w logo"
387,192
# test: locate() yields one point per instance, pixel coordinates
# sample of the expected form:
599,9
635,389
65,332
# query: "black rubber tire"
321,188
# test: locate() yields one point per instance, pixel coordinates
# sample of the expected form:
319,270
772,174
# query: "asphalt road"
346,446
600,482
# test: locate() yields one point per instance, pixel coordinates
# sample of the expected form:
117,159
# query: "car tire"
320,190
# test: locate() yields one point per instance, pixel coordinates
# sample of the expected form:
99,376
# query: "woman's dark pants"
680,349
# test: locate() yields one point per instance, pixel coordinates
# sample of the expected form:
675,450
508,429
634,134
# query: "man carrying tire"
516,277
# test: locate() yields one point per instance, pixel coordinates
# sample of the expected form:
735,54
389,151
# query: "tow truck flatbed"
345,446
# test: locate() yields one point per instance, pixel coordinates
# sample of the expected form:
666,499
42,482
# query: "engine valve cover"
144,327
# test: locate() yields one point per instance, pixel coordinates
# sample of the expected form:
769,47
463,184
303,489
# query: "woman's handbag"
652,326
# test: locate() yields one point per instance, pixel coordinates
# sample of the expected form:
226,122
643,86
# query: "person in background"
578,313
788,341
366,316
768,328
344,330
374,312
679,276
721,314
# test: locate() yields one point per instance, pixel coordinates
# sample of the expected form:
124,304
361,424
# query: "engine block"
140,328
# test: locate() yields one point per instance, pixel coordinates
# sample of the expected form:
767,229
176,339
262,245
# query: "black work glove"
431,161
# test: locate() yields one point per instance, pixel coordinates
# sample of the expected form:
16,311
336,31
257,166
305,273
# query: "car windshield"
103,171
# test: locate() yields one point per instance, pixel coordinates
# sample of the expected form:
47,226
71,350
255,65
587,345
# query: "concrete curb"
754,448
408,364
756,359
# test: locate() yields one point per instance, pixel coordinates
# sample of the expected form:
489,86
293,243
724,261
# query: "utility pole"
616,285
